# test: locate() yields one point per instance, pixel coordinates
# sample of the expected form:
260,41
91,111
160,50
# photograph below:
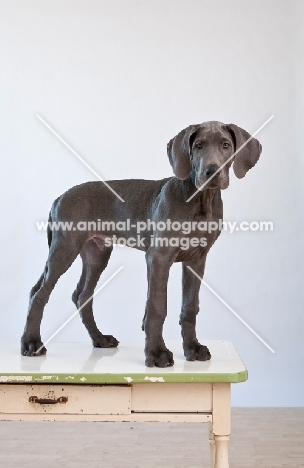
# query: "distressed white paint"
16,378
155,379
47,377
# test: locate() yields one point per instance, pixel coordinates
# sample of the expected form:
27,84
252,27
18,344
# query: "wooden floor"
271,438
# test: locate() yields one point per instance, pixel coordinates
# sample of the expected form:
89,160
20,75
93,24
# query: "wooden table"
75,382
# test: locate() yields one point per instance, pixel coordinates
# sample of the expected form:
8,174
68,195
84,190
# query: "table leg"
221,451
212,447
221,423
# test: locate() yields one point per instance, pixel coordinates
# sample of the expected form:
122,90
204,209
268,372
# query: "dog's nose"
210,170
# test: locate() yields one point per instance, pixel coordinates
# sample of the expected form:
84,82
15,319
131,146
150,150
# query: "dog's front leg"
193,350
158,265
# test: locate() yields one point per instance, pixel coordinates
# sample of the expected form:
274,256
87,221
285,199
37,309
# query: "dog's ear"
179,149
249,155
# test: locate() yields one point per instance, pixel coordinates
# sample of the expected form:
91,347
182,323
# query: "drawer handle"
47,401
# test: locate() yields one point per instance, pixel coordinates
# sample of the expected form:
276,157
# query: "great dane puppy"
197,155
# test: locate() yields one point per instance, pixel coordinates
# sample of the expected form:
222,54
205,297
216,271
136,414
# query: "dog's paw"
105,341
31,347
161,358
197,352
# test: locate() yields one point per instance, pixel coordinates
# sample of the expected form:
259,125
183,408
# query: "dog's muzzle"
212,177
210,171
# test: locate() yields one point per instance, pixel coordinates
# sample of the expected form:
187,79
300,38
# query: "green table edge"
110,379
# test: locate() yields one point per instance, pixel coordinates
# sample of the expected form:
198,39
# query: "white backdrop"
119,78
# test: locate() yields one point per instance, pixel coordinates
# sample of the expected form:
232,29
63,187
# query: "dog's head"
205,151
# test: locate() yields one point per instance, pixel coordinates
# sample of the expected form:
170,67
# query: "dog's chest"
208,210
206,227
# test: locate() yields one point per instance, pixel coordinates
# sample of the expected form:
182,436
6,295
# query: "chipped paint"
46,377
128,379
16,378
155,379
83,379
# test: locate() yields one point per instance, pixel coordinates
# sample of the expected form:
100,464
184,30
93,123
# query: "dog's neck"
203,201
206,198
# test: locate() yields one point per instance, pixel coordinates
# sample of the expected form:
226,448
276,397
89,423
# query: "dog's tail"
49,230
50,221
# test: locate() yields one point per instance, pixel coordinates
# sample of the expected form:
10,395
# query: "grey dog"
197,155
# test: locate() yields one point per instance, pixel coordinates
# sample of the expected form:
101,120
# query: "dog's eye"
199,144
226,145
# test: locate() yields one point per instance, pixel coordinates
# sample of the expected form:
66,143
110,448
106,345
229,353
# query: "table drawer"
172,397
71,399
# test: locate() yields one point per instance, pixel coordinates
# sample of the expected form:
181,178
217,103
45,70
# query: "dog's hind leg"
37,286
62,254
95,257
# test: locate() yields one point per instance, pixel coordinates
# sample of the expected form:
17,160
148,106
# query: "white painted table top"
80,363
